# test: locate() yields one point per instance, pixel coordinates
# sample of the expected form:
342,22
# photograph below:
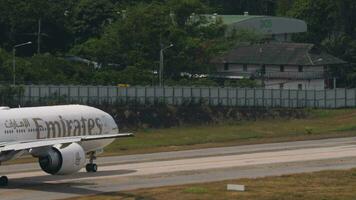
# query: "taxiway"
184,167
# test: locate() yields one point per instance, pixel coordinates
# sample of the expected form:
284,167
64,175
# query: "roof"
278,54
231,19
263,24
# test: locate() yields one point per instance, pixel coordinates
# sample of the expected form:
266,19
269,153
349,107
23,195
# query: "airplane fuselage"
40,123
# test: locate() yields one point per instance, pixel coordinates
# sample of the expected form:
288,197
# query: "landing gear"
4,181
92,167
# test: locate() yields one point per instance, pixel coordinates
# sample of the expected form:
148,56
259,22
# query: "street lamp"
14,61
161,64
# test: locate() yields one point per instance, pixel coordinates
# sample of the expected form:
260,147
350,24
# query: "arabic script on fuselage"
59,128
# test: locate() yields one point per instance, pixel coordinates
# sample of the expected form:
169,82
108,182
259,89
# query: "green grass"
333,185
195,190
346,128
321,124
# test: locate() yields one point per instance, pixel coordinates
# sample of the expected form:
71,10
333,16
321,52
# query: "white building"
279,65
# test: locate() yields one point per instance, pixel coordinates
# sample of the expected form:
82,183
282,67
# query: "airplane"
61,137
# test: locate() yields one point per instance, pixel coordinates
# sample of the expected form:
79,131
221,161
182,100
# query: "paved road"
161,169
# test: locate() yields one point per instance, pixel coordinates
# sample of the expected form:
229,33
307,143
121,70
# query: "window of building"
281,85
300,68
300,86
281,68
226,66
245,68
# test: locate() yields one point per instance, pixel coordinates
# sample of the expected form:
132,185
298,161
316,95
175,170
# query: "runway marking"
214,162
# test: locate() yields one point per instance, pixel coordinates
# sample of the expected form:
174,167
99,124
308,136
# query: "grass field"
333,185
320,124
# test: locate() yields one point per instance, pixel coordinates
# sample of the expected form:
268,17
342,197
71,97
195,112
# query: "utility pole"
39,37
38,34
160,67
14,66
14,60
161,64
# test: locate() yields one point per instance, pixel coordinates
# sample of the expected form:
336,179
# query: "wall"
311,78
238,68
214,96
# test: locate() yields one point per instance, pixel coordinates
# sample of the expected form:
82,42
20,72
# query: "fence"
241,97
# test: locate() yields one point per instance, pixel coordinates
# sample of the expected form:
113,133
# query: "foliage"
119,34
19,22
9,95
255,7
192,82
90,17
147,28
332,26
283,6
319,15
131,75
243,83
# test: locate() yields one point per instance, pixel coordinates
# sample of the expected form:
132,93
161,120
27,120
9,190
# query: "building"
279,65
276,28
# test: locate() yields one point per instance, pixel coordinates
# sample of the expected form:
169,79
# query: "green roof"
267,25
231,19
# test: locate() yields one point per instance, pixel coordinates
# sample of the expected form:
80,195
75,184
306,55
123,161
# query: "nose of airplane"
108,121
113,126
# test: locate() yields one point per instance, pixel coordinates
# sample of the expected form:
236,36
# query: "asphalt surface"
184,167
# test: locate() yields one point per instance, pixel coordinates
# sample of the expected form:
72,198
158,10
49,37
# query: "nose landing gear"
91,167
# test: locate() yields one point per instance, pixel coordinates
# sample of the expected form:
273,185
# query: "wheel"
88,167
4,181
91,167
94,168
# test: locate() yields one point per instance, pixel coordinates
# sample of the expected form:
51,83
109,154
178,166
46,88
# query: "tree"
90,17
283,6
332,26
137,39
319,15
20,22
235,7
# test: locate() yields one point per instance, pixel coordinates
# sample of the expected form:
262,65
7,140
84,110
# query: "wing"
26,145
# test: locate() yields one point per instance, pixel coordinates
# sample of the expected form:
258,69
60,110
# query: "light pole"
161,63
14,60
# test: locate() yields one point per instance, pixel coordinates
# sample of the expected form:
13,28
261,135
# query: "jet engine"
63,161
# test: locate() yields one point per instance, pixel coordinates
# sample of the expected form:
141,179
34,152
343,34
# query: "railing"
242,97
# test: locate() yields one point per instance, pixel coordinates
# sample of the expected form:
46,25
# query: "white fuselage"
41,123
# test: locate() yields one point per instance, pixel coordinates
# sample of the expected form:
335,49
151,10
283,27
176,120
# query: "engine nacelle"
64,161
